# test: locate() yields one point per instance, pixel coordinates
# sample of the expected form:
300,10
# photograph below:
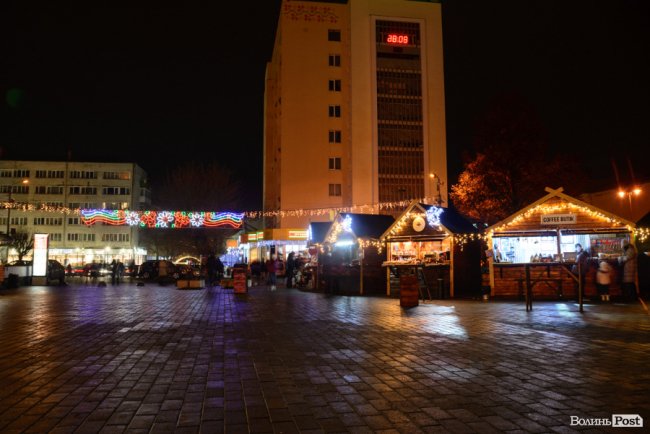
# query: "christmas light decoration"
162,219
433,216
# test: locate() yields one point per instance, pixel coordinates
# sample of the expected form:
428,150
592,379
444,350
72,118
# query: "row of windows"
55,189
58,174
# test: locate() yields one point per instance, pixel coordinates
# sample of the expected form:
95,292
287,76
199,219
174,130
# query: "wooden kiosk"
533,251
437,246
352,257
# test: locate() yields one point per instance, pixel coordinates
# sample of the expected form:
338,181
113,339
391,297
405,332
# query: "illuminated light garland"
433,215
642,234
108,217
217,219
545,209
162,219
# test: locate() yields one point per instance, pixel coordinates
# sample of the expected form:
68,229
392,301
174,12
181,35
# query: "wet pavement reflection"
125,358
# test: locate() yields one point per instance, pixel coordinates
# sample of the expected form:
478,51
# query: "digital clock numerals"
394,38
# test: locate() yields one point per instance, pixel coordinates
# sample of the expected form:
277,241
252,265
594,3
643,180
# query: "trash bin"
12,281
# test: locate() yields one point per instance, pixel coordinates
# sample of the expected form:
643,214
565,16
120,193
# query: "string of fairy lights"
197,219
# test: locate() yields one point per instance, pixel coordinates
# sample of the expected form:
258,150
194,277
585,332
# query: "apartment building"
73,185
354,107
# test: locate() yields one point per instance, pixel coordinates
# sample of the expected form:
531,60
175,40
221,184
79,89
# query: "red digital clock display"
394,38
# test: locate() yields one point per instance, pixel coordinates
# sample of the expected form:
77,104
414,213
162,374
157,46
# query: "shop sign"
561,219
297,235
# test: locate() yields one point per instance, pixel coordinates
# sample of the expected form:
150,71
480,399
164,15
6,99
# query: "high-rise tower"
354,107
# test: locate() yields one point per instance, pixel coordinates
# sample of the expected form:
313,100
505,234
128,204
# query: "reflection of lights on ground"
444,321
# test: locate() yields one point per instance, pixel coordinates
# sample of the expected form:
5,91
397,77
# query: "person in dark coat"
211,266
629,262
114,270
291,267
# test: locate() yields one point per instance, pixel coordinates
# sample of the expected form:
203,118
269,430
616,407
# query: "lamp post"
10,201
437,200
633,192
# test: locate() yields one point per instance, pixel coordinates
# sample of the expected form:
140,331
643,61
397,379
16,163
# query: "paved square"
154,359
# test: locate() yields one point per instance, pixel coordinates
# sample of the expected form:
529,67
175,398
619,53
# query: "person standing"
629,262
603,279
291,267
114,271
271,270
580,267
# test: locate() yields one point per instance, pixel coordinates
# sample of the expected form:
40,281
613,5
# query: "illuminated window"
335,163
334,85
334,111
334,136
335,189
334,35
334,60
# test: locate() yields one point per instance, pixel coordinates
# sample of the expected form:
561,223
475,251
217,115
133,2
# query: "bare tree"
193,187
511,165
23,243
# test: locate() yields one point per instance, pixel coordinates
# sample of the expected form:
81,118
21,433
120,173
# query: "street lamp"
10,202
633,192
438,198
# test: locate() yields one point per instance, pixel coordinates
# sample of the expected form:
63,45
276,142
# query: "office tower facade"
354,108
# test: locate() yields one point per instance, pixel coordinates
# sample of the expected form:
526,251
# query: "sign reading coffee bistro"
563,219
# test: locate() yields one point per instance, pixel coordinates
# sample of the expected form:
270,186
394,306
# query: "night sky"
165,84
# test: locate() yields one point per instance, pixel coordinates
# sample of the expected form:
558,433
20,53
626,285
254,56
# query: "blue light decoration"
346,224
433,216
162,219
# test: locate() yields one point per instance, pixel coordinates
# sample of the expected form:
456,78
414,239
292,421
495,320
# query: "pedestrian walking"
603,279
271,270
629,262
290,270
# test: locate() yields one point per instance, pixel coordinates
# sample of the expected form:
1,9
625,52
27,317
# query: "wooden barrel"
408,291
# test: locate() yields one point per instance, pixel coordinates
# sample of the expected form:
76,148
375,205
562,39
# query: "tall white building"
74,185
354,106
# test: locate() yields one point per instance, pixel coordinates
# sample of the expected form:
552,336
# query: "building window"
54,190
55,237
334,111
334,35
73,220
19,221
334,136
55,204
83,174
40,189
335,163
6,173
81,237
14,189
18,173
48,221
117,175
115,238
83,190
334,85
41,173
334,60
335,189
116,190
55,173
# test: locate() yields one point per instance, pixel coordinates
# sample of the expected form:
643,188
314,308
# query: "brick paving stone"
155,359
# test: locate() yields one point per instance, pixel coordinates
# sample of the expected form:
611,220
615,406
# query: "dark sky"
172,83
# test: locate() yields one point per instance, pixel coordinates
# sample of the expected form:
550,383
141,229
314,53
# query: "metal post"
580,289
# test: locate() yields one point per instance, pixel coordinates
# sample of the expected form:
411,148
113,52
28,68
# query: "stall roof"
451,221
366,226
644,221
595,218
318,231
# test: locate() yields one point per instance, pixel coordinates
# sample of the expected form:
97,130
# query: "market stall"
352,254
436,246
534,250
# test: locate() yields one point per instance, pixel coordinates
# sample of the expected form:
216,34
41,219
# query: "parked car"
55,270
150,270
97,269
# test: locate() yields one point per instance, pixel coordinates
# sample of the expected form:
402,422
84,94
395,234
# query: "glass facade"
400,135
